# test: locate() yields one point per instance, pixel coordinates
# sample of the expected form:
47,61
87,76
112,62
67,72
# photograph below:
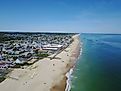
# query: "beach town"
25,52
28,47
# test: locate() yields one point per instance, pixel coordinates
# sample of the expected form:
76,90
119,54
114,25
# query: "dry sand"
46,74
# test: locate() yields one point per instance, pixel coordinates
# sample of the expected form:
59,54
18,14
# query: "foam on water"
69,76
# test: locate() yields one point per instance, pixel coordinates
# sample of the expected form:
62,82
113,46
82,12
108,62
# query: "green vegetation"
42,55
4,37
2,79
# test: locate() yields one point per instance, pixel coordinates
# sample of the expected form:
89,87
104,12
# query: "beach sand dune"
44,75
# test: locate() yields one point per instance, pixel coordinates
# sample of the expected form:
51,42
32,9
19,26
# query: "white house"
51,47
18,61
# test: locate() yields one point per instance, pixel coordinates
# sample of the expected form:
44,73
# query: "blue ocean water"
99,66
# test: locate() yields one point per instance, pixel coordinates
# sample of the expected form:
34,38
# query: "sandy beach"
45,74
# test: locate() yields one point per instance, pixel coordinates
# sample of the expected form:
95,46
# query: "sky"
82,16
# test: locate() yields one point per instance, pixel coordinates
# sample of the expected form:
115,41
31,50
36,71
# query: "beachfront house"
4,66
51,47
19,61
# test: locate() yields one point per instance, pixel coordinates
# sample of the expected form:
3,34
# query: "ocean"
99,66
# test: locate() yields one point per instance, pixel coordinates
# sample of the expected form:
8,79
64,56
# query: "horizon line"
21,31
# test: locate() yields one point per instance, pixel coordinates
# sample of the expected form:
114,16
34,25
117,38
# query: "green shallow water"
99,66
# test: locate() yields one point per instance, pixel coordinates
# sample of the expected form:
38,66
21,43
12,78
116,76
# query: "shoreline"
65,84
69,74
46,74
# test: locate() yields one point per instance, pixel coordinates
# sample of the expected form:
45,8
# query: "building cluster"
23,48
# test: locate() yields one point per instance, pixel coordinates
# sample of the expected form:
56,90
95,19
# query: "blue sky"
100,16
